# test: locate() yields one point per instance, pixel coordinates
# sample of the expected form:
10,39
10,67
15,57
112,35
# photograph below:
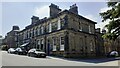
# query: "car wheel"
17,53
44,56
28,54
32,55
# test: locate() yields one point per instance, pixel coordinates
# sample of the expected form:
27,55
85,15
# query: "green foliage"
113,15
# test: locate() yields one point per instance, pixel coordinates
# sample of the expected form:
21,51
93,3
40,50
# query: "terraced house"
64,33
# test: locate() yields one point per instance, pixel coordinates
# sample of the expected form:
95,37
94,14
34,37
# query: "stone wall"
81,44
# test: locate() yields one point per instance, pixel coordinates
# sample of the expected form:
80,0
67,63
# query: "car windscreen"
38,50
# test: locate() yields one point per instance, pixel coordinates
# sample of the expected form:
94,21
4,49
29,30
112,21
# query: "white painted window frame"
54,46
90,29
42,29
80,26
62,47
59,24
50,29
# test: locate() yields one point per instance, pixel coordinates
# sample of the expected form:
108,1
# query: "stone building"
64,33
104,45
11,38
100,50
112,45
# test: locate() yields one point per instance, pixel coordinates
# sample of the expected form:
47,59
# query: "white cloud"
41,12
104,9
102,24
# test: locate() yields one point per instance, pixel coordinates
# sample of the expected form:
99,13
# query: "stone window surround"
80,26
90,29
62,45
32,32
54,46
39,42
91,46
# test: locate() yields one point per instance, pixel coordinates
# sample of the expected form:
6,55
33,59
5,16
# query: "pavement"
21,60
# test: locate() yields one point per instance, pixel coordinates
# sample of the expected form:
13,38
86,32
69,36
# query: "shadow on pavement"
95,60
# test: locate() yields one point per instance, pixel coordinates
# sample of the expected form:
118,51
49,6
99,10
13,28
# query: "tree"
113,15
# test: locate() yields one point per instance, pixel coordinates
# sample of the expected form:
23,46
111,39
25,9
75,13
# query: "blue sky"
20,13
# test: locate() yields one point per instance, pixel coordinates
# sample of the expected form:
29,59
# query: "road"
20,60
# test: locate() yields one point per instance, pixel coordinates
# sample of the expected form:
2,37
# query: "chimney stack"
34,19
15,28
74,9
54,10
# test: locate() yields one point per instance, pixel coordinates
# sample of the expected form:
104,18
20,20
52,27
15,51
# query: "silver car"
113,54
11,50
36,53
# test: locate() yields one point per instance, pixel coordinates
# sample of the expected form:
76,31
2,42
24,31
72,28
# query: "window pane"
62,40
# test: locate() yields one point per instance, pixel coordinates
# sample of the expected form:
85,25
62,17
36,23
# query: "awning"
25,44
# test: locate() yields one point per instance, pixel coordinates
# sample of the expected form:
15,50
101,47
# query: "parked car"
11,50
36,53
112,54
20,51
